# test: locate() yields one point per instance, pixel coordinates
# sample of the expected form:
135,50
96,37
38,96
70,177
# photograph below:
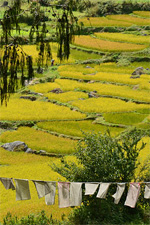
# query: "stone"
93,94
15,146
31,98
138,71
42,152
91,81
29,150
57,91
88,67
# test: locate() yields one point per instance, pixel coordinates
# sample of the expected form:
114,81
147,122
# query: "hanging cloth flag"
147,191
42,188
50,198
8,183
75,194
119,192
22,189
133,194
63,194
90,188
103,190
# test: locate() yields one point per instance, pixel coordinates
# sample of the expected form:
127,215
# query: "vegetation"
131,38
76,128
40,140
103,105
102,45
28,166
22,109
98,163
91,91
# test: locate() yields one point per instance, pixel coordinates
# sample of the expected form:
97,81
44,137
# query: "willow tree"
15,64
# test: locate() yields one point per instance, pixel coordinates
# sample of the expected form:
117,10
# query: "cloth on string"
132,195
90,188
22,189
119,192
147,191
103,189
63,194
50,198
8,183
75,194
42,188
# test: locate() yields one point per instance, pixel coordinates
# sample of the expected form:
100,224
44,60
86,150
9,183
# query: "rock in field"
15,146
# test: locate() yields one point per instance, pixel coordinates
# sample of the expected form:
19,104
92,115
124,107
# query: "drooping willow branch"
15,64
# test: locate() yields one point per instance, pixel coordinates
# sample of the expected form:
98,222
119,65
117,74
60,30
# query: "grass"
131,19
20,109
124,118
76,128
28,166
103,105
39,140
106,46
119,37
105,89
67,96
145,14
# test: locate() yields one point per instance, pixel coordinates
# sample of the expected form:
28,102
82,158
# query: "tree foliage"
14,62
101,158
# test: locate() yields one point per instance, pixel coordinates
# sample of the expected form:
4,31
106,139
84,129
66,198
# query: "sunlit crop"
40,140
144,158
105,89
43,87
131,19
103,22
102,45
74,56
119,37
20,109
102,105
66,96
124,118
75,128
143,81
142,13
27,166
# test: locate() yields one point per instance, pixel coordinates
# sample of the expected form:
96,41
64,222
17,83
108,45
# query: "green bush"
39,219
101,158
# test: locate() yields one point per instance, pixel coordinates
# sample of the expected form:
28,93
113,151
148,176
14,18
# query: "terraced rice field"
114,20
131,38
109,46
131,19
145,14
120,103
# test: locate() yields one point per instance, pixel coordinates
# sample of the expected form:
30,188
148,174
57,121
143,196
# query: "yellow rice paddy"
102,45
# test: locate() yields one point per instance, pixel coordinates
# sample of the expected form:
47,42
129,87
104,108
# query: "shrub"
102,158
